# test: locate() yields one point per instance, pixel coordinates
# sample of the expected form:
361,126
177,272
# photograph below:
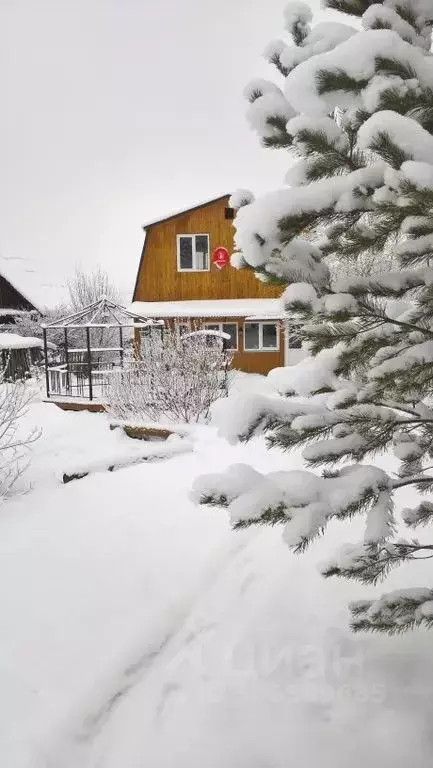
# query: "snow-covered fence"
72,380
86,362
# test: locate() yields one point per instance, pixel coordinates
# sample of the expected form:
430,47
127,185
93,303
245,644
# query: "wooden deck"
69,404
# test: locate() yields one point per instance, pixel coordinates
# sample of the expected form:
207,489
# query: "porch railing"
72,380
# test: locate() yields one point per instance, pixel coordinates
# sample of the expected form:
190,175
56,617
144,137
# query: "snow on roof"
184,210
7,312
257,308
43,291
205,332
15,341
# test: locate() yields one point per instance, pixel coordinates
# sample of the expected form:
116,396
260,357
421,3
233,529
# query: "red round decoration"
220,257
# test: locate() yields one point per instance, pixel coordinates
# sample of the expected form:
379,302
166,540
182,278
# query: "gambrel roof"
182,212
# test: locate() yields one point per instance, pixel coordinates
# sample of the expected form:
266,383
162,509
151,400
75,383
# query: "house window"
261,337
192,253
230,328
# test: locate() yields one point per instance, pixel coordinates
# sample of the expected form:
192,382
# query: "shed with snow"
17,354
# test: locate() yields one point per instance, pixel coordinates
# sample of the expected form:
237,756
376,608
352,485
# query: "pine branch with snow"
358,111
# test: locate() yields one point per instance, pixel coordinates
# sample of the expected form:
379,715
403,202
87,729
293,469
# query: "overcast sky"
118,111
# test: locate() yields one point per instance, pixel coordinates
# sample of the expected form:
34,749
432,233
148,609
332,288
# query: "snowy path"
79,745
137,630
237,665
90,593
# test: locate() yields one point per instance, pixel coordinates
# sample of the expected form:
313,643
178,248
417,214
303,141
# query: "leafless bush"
85,288
175,379
15,398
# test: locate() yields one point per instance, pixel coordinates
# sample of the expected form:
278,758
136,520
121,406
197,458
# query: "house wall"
251,362
159,280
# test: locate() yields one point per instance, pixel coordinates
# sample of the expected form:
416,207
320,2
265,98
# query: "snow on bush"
268,110
257,225
175,379
241,416
407,134
309,375
15,398
301,127
356,57
302,502
322,38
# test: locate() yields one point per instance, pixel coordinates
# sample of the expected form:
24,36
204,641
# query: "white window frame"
261,348
194,253
221,330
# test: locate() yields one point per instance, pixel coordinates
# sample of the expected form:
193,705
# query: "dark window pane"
232,330
212,326
251,340
202,252
269,336
185,252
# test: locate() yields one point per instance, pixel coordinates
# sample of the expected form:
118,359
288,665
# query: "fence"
75,379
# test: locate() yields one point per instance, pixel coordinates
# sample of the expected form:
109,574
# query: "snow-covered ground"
138,630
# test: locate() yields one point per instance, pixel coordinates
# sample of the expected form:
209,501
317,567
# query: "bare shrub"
15,398
85,288
175,379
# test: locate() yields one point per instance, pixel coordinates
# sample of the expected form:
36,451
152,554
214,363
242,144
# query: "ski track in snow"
136,672
162,639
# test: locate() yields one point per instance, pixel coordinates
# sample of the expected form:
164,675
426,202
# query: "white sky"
118,111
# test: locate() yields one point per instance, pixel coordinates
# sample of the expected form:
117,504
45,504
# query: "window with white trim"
192,253
261,337
230,328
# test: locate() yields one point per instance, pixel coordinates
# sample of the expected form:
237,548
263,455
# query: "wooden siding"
159,280
252,362
255,362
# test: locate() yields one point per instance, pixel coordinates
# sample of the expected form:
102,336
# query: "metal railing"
75,380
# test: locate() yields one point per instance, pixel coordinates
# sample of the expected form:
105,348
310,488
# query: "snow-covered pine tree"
356,106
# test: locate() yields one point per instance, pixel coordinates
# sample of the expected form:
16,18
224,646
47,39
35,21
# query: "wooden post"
47,376
68,379
89,364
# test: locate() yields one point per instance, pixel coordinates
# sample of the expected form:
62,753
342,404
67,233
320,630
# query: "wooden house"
185,278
